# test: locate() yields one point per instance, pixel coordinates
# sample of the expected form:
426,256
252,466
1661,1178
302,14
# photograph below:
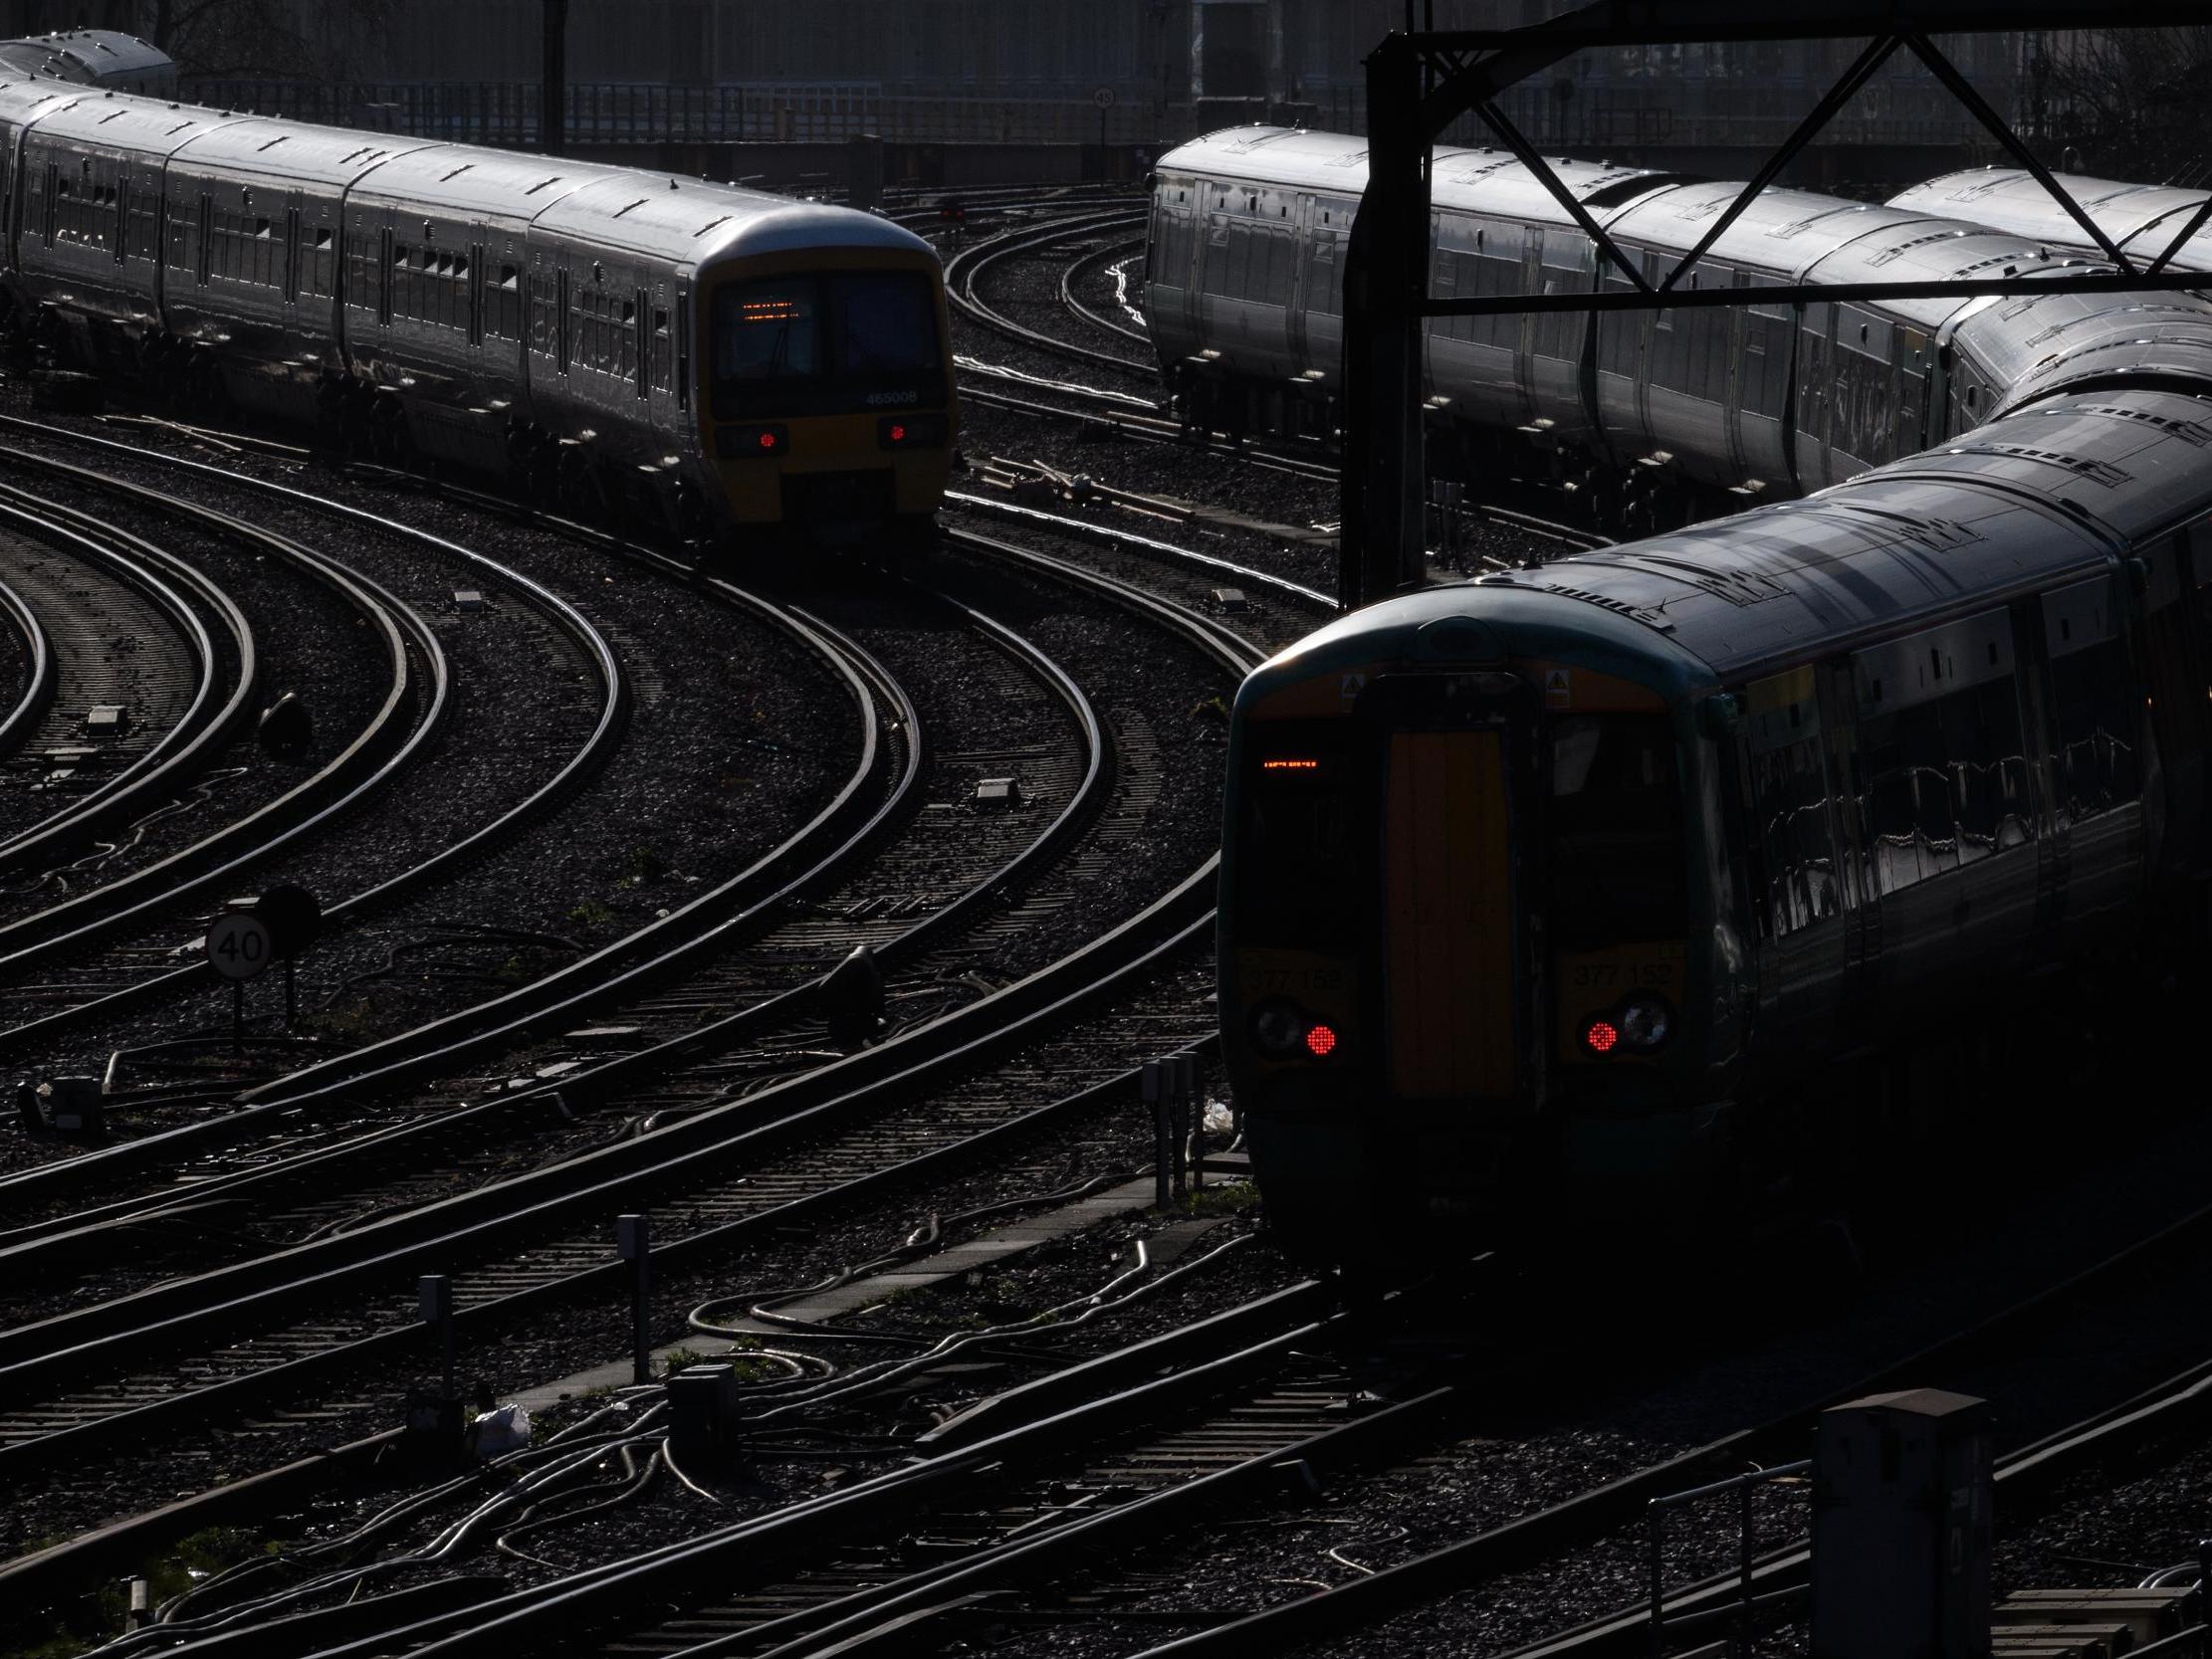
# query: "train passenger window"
1324,276
1989,769
2093,716
1619,863
1786,783
504,305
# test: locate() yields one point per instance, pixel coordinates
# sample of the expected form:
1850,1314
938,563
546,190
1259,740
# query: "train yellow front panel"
1448,958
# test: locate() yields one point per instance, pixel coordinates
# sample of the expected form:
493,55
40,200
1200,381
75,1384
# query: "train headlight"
1645,1022
1279,1029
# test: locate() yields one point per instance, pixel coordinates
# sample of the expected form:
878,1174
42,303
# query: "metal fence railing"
506,113
1750,112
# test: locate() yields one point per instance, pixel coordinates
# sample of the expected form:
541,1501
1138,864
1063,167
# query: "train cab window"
886,322
1618,865
863,338
767,330
1301,852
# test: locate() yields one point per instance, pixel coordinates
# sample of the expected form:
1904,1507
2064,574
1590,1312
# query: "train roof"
2011,199
2004,510
684,221
1999,511
691,221
290,150
93,57
1785,232
1335,163
140,125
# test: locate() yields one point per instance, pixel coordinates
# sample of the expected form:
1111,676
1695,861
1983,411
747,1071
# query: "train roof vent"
541,184
1899,250
1738,587
1628,185
708,226
448,178
273,143
1620,607
2193,433
640,202
1935,535
1350,158
2096,472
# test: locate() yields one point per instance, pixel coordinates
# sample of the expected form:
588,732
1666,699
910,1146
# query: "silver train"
629,341
1657,416
1732,851
2142,220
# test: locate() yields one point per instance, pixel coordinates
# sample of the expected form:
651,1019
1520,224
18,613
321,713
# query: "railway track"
840,1131
59,956
567,753
117,624
966,270
32,669
1132,331
927,898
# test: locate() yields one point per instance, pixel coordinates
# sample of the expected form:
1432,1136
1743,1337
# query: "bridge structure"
1423,80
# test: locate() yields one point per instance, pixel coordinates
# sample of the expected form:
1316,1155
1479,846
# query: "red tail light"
759,442
1601,1036
911,432
1320,1041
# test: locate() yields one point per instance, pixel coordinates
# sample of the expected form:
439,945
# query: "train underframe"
350,415
1857,1148
1568,479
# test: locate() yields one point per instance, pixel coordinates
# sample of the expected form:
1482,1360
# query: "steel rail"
1151,1387
377,755
846,819
1207,565
965,269
98,1340
1087,313
203,727
1584,1519
590,641
38,674
74,1231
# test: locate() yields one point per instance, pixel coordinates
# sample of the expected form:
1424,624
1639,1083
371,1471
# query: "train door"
1301,282
1915,348
1524,331
1437,358
2094,728
1816,392
2174,690
1789,787
1854,887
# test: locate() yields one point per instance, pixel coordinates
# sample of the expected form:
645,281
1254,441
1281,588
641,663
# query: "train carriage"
633,342
1569,890
1566,885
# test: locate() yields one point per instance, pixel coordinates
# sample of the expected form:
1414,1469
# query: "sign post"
1104,98
293,917
239,949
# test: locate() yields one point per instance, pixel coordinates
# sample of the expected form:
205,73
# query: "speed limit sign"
238,945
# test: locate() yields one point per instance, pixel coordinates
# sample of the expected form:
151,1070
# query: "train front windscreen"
847,343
